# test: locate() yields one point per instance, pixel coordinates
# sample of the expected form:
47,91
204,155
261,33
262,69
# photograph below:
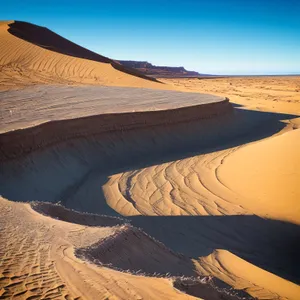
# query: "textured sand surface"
273,94
31,55
207,189
35,105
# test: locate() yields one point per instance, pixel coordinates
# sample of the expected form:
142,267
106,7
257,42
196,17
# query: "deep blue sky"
217,37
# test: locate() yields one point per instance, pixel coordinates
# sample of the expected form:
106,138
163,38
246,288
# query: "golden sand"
213,196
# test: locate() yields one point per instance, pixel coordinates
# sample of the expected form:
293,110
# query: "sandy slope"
25,63
32,106
242,275
205,193
267,180
40,263
148,172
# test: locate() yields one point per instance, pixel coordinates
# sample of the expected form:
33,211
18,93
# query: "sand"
263,93
31,55
278,197
22,108
187,195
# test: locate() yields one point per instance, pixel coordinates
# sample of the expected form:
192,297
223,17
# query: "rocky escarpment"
148,69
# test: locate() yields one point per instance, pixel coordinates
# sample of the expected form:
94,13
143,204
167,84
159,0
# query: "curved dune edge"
69,277
49,40
126,248
23,141
58,212
241,274
266,175
64,153
24,61
47,267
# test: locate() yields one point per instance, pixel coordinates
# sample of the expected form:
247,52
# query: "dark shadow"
190,139
92,162
47,39
127,249
59,212
81,172
212,289
269,244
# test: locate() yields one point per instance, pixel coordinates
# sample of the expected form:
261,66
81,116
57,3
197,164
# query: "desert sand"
114,186
30,54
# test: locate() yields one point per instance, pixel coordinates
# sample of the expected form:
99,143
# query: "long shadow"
72,165
180,141
84,168
47,39
270,244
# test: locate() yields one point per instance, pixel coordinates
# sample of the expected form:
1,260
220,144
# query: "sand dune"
208,188
164,170
243,275
41,262
30,54
279,195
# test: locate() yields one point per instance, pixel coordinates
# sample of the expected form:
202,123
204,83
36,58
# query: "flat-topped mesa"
148,69
96,116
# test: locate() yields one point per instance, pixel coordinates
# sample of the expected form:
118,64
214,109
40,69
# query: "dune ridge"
17,142
97,174
30,54
124,250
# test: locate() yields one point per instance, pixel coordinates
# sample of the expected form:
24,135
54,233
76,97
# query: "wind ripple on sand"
144,172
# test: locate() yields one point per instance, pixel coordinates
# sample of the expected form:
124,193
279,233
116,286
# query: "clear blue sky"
214,36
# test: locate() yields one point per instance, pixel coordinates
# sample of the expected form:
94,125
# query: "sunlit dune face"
139,193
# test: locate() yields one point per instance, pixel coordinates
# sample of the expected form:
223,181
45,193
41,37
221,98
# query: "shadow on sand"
47,39
270,244
78,172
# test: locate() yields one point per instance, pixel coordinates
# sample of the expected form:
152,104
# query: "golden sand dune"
243,275
267,180
188,178
162,169
41,263
30,54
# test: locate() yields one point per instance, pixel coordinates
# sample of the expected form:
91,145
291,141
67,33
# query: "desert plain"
114,185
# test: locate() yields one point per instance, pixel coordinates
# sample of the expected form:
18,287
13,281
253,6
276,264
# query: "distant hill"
148,69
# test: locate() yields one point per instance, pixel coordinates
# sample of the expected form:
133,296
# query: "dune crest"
30,54
245,172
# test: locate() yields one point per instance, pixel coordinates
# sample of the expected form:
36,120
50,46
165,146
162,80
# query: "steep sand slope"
164,170
267,176
43,103
243,275
38,260
30,54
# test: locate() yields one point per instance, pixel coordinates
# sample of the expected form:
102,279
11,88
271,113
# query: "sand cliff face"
22,141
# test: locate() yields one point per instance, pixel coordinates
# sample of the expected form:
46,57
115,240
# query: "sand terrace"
34,105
